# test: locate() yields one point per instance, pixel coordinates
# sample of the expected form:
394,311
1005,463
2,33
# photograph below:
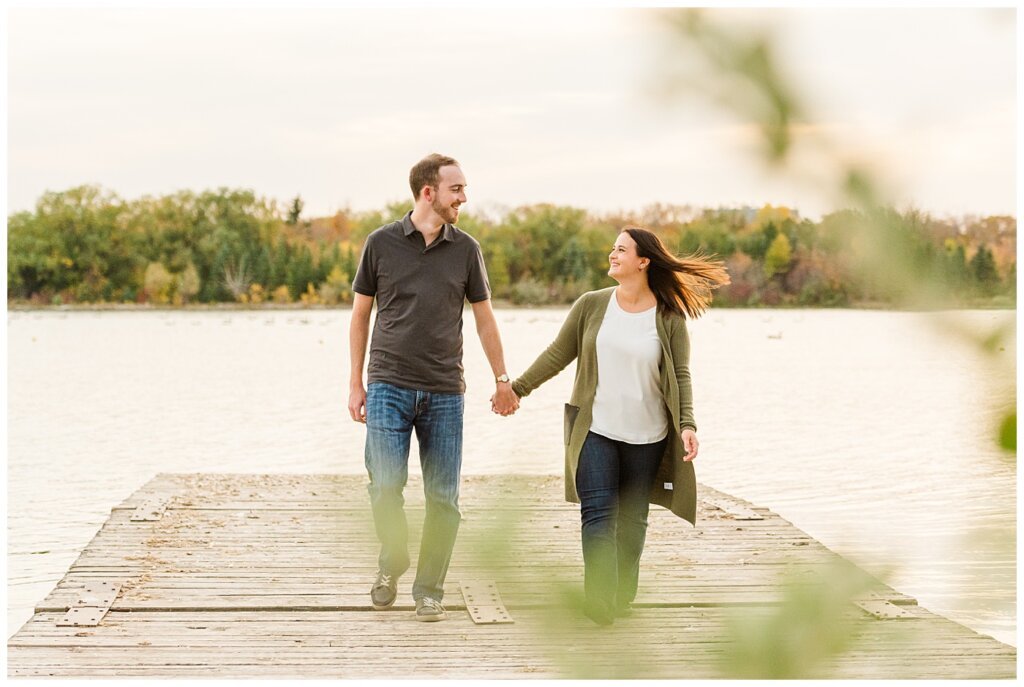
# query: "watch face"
503,378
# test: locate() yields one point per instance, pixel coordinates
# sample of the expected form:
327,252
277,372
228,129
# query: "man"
421,270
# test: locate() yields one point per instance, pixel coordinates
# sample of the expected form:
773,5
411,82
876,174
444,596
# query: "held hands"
504,402
690,443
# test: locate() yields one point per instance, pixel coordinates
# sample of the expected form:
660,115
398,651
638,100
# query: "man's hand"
689,438
357,403
504,402
359,331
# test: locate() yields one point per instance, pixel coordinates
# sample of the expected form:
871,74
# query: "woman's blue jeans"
392,413
614,481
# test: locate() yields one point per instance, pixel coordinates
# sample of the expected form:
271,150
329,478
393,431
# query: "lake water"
872,431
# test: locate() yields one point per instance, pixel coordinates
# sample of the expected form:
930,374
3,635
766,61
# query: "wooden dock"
268,576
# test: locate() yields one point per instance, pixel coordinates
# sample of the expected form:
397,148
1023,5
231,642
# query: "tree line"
87,245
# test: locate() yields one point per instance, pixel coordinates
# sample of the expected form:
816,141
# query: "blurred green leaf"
814,622
1008,432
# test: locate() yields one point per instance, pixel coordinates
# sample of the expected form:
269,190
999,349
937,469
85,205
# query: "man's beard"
445,212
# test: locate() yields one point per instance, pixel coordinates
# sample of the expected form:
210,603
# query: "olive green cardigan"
676,485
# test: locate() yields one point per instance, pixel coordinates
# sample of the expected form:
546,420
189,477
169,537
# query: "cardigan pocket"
571,412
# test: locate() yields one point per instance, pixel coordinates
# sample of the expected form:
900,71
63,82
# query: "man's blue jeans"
391,415
614,481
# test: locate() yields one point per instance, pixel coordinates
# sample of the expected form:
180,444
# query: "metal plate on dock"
152,509
89,616
99,594
483,603
101,587
91,605
736,510
881,609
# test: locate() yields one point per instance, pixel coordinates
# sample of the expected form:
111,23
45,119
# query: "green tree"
33,260
300,273
329,259
497,269
755,244
776,260
158,283
336,288
708,236
348,263
538,233
573,261
282,255
983,268
188,283
213,287
294,210
955,270
261,265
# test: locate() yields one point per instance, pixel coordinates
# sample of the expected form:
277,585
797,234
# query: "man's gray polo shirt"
421,291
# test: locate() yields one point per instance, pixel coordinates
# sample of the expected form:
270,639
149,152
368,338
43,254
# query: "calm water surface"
871,431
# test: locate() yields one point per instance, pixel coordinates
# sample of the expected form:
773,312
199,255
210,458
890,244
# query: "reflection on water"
869,430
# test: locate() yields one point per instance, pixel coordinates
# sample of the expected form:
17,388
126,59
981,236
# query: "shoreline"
503,304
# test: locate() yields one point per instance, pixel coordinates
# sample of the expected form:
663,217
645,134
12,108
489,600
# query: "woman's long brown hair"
682,285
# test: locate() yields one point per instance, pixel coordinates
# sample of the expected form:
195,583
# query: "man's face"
450,193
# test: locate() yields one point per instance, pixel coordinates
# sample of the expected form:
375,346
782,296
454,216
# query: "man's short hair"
427,172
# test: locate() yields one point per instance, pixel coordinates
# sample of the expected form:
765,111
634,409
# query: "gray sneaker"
430,610
384,591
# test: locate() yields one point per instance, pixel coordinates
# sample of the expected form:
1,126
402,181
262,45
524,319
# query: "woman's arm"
680,344
562,351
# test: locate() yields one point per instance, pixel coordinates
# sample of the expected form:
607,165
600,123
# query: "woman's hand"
690,443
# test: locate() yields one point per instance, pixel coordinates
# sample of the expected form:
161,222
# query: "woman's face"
623,261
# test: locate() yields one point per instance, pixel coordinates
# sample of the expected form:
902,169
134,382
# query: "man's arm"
505,401
358,333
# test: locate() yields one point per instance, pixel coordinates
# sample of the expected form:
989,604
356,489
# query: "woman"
629,430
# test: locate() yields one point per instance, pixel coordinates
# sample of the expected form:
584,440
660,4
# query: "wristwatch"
501,378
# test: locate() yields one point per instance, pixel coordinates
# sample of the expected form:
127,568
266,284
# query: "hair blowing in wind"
683,285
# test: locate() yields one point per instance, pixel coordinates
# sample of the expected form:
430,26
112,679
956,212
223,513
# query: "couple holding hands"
630,436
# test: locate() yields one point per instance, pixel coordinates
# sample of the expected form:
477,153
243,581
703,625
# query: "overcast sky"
539,105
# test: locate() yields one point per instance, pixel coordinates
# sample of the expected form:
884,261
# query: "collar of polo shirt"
409,228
